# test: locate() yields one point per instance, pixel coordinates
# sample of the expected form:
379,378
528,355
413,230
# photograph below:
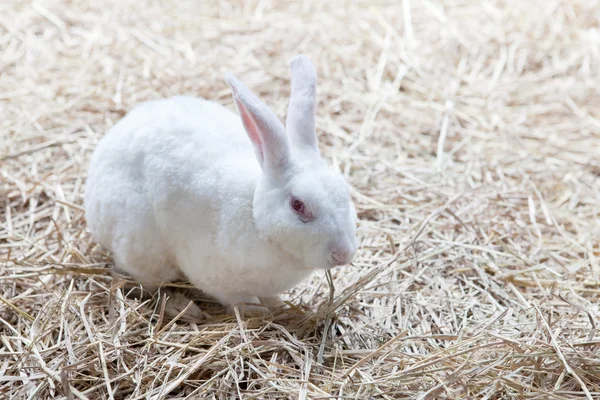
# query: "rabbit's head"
300,204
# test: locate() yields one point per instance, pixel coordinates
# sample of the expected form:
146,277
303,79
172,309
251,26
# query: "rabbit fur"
185,189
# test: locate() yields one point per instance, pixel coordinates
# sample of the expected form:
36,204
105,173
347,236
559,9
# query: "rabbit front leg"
272,302
259,307
250,307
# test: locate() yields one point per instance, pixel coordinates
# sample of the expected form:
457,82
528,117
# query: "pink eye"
298,206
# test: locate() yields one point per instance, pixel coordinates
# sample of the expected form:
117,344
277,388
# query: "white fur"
175,191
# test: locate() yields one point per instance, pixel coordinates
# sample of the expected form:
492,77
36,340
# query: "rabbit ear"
300,121
263,127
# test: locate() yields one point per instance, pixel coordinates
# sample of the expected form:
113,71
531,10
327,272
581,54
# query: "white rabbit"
176,192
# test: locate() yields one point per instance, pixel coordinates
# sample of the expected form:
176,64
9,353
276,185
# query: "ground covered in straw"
471,134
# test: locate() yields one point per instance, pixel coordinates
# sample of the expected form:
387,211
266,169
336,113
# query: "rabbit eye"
298,206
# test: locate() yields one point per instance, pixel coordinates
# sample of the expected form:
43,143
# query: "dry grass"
470,130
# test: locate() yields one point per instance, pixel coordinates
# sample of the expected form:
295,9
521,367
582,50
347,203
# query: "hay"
470,130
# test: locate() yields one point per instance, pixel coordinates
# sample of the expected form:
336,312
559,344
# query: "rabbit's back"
163,168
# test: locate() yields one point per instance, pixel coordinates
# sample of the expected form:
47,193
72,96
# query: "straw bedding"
469,130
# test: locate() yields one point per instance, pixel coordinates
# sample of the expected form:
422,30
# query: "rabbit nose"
342,256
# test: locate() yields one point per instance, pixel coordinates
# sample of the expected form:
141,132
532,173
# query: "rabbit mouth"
333,263
327,265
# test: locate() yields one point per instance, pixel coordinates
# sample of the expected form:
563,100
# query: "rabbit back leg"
177,302
152,269
149,268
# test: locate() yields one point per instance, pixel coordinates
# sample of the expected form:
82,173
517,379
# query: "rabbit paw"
272,302
178,302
